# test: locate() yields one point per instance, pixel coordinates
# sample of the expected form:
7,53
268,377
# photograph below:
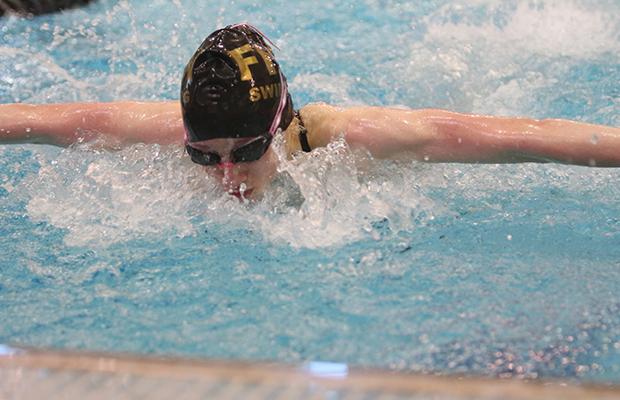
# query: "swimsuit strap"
303,134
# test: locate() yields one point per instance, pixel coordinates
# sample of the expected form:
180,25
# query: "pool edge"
298,377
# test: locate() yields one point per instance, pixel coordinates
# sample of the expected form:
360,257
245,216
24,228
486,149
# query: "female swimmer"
234,99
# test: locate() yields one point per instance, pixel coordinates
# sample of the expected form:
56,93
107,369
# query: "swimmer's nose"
232,175
225,165
227,169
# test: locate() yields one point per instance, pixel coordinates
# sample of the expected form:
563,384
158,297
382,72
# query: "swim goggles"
248,152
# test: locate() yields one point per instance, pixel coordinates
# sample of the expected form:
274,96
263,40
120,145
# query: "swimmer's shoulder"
323,123
303,134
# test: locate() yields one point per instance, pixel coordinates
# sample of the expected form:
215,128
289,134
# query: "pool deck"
38,374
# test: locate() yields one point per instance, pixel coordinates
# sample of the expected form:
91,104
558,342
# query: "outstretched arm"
114,124
443,136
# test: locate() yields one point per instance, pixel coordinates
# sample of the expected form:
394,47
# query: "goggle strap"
276,119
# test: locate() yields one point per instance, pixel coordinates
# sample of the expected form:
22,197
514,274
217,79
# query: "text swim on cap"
233,87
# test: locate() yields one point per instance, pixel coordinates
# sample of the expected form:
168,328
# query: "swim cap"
233,88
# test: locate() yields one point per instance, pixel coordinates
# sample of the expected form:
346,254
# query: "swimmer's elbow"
388,133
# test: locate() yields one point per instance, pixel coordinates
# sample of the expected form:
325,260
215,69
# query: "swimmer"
234,100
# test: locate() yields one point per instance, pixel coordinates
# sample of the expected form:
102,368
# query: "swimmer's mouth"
238,194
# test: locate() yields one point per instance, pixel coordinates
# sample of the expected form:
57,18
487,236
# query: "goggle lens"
251,151
202,158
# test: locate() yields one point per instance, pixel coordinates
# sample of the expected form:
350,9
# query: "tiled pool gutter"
38,374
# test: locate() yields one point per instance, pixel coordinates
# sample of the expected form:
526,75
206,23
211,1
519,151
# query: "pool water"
492,270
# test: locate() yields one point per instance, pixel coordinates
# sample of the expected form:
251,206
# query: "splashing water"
109,197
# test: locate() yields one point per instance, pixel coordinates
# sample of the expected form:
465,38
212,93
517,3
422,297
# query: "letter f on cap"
243,62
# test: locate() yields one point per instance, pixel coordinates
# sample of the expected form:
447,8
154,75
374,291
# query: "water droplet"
426,158
460,140
592,162
594,139
509,237
28,130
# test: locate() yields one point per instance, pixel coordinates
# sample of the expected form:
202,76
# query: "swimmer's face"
247,179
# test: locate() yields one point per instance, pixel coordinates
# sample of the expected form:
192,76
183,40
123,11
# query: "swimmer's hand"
443,136
109,124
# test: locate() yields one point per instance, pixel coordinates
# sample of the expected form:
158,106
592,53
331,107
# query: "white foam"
550,28
342,202
494,58
102,198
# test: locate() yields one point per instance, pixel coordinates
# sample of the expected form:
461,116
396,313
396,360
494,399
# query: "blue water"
494,270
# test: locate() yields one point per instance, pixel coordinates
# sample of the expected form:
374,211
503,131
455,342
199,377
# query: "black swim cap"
233,88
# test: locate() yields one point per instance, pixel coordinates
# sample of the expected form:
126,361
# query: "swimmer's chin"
248,194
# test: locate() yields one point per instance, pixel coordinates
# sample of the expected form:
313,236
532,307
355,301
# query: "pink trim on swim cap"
276,119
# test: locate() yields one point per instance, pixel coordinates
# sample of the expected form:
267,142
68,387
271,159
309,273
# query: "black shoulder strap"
303,134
